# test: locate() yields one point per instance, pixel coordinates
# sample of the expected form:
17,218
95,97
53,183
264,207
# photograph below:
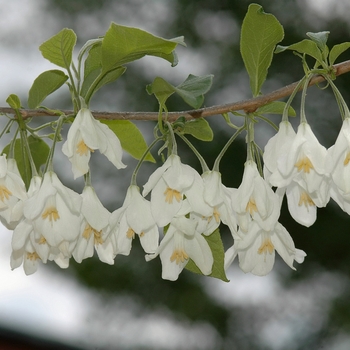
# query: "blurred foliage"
212,29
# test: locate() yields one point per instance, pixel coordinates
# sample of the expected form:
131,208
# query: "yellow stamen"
266,246
142,234
170,194
51,213
42,240
304,164
33,256
130,233
179,256
216,215
251,206
82,149
306,200
97,234
5,193
347,159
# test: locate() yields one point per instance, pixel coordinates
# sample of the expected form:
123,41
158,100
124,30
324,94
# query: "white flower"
338,159
218,198
12,193
54,211
275,151
134,217
29,246
87,134
255,200
169,184
94,229
181,243
256,251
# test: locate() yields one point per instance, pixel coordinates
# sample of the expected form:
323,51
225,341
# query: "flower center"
33,256
306,200
130,233
216,215
42,240
50,213
82,149
88,231
347,159
170,194
179,256
5,193
304,164
251,206
266,246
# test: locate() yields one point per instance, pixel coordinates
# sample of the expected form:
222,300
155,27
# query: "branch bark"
246,105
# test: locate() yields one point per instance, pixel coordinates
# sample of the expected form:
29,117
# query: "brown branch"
246,105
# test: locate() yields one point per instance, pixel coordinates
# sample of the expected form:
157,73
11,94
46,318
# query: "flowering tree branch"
246,105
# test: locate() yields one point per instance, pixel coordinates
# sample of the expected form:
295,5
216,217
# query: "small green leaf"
14,101
200,129
59,48
39,150
130,137
193,89
305,46
337,50
93,60
45,84
215,244
319,38
259,36
161,89
123,44
276,107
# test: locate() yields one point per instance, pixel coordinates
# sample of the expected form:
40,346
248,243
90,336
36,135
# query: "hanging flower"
256,251
94,229
87,134
54,211
181,243
169,184
134,218
12,193
255,200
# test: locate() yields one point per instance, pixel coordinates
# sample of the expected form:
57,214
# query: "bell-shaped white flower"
303,162
181,243
256,251
218,198
54,211
255,200
87,134
169,184
94,229
275,150
134,217
337,164
12,193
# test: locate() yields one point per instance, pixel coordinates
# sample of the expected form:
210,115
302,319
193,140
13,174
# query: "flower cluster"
50,222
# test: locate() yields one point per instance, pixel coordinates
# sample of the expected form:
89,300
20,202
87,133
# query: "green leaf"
39,150
14,101
130,137
93,60
59,48
337,50
45,84
122,45
192,90
200,129
215,244
320,39
104,79
305,46
161,89
259,36
276,107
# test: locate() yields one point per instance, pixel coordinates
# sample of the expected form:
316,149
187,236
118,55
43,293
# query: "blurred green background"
304,309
